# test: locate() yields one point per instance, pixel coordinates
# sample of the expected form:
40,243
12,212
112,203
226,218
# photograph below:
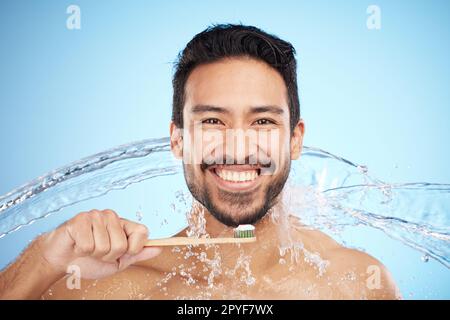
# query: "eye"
212,121
264,121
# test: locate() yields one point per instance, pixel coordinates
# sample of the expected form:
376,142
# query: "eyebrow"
208,108
270,109
259,109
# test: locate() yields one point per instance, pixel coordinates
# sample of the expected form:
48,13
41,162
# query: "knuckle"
110,212
93,212
140,228
81,216
98,217
77,221
119,248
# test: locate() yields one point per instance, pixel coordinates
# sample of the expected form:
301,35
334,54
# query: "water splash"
85,179
326,191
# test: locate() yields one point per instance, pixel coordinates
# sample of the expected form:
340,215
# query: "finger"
80,230
137,236
102,244
145,254
117,238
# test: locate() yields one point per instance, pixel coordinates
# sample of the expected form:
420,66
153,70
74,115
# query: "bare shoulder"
349,273
132,283
363,274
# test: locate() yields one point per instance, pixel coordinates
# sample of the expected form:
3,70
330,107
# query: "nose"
241,146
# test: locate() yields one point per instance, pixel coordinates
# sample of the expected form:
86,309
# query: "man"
236,124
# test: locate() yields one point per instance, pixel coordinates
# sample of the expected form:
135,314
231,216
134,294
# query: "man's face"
236,143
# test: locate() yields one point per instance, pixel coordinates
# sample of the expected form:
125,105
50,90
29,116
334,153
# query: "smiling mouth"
236,177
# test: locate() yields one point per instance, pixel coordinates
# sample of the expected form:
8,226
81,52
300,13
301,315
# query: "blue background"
376,97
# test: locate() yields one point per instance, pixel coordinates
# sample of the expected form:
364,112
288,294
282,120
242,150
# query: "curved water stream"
326,191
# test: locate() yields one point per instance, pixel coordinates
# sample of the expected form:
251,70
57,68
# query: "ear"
176,141
297,140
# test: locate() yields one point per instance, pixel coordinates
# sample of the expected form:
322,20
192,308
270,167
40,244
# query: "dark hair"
230,40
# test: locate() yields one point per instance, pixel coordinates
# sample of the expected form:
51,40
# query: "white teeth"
237,176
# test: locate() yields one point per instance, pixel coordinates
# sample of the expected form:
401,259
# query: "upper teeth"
236,176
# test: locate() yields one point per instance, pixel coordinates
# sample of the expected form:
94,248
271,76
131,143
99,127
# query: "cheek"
194,174
203,145
213,146
279,151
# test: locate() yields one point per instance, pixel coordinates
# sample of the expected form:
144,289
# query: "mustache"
250,160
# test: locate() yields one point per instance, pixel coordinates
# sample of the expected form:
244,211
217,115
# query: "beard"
242,205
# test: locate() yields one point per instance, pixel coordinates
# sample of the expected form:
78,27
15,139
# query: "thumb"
145,254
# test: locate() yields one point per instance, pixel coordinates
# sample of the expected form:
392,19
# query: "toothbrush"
244,233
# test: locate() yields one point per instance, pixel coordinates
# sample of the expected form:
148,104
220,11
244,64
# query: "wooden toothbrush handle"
182,241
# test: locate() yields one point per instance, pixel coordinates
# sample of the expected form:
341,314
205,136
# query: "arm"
29,276
98,243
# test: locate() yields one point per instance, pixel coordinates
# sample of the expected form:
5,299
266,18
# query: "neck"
201,222
266,232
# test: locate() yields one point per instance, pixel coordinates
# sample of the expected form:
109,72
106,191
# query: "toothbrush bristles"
244,231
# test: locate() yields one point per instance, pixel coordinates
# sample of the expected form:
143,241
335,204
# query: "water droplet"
139,215
363,169
425,258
